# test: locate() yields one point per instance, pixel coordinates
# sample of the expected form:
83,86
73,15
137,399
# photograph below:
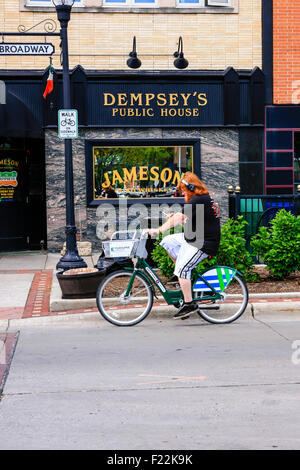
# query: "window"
140,172
218,3
130,3
297,158
190,3
203,3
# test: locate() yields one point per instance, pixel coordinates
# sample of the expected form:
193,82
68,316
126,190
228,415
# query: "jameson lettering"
26,49
141,173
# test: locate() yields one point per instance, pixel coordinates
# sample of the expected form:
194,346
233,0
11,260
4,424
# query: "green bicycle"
125,297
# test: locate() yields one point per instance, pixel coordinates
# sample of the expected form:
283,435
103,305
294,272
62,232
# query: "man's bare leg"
186,287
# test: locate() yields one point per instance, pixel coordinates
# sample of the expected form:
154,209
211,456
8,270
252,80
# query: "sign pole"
71,259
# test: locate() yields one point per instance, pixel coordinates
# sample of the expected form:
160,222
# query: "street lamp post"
71,259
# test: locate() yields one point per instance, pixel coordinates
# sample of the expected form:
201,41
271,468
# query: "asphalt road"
163,384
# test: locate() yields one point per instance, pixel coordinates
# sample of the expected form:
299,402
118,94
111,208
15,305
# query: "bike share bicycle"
125,297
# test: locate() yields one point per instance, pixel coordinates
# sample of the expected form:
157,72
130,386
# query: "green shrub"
232,252
279,245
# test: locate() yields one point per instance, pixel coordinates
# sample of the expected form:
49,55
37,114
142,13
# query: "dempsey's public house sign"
154,103
146,104
26,49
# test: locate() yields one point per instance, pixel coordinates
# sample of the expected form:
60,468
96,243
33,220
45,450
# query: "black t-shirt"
202,228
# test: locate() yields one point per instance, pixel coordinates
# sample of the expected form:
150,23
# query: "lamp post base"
71,261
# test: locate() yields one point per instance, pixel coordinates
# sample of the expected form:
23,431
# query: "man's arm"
173,221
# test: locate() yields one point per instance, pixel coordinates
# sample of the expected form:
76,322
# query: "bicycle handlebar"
143,233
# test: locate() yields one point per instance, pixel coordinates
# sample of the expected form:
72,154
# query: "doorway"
22,194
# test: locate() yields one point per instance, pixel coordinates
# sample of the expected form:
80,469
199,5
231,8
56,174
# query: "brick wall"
286,20
211,40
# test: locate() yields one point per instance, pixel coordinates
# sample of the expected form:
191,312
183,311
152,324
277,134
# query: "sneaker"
186,310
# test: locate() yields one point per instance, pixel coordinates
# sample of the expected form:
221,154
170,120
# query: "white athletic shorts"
187,256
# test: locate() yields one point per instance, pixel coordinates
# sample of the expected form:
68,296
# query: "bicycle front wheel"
232,305
121,309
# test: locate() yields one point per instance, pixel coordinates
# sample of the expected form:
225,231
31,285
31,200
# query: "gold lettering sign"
166,175
169,105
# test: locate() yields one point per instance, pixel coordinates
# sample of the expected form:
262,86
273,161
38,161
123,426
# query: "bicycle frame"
171,296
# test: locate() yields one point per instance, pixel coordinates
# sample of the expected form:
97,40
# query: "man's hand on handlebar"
153,232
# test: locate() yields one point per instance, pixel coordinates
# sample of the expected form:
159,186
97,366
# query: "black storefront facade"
138,131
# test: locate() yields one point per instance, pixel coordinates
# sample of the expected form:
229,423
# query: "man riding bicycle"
186,251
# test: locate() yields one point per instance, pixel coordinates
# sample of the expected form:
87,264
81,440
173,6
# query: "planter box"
84,285
80,286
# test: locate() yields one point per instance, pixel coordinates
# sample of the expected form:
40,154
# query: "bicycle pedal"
184,318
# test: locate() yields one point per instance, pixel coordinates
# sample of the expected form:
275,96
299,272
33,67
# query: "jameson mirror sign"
156,104
139,172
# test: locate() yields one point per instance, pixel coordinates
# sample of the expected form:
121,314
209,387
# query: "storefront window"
139,172
297,158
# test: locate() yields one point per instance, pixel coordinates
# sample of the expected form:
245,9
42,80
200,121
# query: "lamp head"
134,62
180,62
63,10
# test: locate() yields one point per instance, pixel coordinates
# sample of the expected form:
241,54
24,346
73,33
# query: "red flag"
49,86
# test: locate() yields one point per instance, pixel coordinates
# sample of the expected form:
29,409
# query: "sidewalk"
29,288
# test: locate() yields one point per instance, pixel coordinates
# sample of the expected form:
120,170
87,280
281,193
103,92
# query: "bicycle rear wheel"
119,309
231,307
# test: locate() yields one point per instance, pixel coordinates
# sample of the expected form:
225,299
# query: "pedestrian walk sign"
68,123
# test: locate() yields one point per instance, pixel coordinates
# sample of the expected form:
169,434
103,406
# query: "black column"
71,259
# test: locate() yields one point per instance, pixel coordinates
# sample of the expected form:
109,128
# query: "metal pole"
231,202
71,259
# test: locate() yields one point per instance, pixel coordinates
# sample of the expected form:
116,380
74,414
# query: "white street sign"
68,123
26,49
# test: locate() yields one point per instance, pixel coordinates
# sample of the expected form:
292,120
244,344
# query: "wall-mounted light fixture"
180,62
134,62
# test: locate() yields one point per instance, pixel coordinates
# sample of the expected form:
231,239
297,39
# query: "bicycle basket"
120,248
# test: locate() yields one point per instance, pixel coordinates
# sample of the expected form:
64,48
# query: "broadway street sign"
26,49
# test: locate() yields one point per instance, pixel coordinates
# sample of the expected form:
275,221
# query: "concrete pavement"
86,384
70,380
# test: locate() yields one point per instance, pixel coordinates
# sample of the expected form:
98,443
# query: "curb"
274,295
264,312
286,310
57,304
